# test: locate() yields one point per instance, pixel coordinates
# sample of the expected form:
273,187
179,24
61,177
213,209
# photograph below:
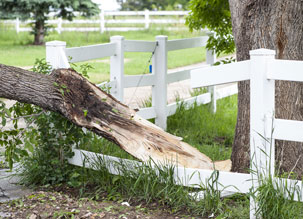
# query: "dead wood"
68,93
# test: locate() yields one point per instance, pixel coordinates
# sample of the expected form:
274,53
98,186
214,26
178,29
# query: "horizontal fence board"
76,21
139,46
294,187
84,53
123,13
147,113
123,29
167,21
221,74
178,76
186,43
139,80
286,70
227,181
289,130
79,29
227,91
128,21
201,99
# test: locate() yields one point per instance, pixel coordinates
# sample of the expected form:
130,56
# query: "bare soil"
53,204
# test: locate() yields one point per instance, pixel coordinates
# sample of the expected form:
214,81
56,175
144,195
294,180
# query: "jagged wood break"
68,93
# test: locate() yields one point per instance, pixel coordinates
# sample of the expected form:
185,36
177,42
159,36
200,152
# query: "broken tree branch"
68,93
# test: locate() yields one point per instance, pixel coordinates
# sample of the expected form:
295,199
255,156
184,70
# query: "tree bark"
39,32
66,92
277,25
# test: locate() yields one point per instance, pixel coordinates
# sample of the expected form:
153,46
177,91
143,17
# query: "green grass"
17,50
211,133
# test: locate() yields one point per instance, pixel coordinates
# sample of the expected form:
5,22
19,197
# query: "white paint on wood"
286,70
226,91
210,60
289,130
117,66
84,53
178,76
221,74
159,90
139,46
186,43
227,181
55,54
262,92
147,113
139,80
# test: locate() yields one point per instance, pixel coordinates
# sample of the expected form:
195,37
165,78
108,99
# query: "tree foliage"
39,10
215,16
135,5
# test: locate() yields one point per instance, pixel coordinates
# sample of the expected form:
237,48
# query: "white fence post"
102,21
146,18
159,90
262,103
55,54
59,25
117,67
17,25
210,60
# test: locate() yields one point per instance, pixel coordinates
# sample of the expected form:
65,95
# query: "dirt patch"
51,204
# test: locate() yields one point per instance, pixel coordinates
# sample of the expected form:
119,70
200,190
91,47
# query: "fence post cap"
55,43
262,52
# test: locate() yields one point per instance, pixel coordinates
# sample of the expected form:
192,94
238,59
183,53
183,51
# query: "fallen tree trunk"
68,93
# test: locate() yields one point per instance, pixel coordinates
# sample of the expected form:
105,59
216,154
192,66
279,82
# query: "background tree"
39,10
272,24
214,15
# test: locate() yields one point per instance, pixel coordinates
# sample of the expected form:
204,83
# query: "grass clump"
277,201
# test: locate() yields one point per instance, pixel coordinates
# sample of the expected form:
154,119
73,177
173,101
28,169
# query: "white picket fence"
57,53
262,70
143,18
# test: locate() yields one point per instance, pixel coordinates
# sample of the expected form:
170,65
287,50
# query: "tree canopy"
39,10
215,16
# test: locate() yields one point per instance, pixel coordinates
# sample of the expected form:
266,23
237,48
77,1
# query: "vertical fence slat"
262,96
210,60
102,21
159,90
117,67
17,25
146,19
54,54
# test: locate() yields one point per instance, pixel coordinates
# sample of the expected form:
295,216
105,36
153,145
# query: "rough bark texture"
277,25
66,92
39,32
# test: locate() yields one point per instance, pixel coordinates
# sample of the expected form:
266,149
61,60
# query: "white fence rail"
58,55
105,18
262,70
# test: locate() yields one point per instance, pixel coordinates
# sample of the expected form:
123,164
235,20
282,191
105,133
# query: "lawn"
16,49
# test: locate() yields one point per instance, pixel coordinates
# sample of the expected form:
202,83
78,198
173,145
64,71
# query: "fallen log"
68,93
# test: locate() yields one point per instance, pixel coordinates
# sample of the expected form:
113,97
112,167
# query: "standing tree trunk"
66,92
39,32
277,25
